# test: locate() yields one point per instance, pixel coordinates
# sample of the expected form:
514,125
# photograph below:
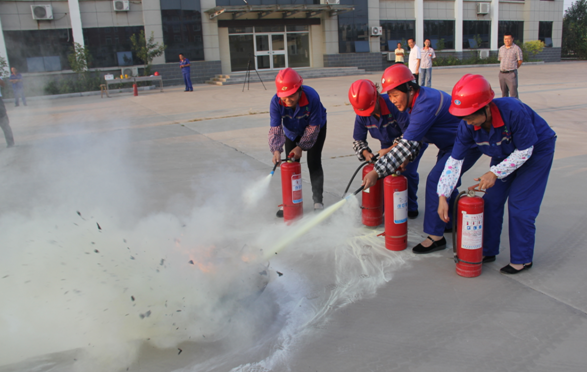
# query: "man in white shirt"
399,53
415,58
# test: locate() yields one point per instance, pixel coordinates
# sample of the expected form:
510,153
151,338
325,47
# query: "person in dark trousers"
17,87
521,146
4,122
298,120
184,64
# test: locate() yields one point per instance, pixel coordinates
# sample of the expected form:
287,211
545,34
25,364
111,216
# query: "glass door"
270,51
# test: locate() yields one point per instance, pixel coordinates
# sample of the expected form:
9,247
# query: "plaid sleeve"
403,151
309,137
359,147
276,139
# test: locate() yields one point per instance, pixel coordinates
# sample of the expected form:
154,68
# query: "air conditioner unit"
121,5
42,12
331,2
376,30
483,54
129,71
483,8
391,57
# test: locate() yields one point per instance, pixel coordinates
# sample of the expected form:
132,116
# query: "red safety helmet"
287,81
363,96
156,73
470,94
394,76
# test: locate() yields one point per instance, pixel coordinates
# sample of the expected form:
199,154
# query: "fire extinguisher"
291,190
396,212
372,200
468,243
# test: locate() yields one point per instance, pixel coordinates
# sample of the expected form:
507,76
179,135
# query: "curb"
83,94
485,65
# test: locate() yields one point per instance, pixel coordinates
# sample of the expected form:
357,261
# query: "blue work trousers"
411,173
188,81
433,225
426,77
524,190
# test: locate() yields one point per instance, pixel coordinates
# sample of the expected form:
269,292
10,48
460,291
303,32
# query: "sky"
568,3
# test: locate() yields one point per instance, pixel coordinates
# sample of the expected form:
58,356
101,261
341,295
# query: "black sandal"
436,246
511,271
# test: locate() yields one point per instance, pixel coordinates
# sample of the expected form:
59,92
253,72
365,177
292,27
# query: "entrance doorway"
270,51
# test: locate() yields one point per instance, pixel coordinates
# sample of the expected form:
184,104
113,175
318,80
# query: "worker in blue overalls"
184,65
521,146
298,121
379,117
430,122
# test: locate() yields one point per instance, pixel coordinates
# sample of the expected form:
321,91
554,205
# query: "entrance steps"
269,76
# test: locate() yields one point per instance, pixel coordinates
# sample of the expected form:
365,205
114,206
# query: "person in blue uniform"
17,86
184,65
379,117
521,146
430,122
298,121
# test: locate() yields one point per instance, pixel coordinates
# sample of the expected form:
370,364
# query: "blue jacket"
514,126
185,70
390,125
309,111
430,120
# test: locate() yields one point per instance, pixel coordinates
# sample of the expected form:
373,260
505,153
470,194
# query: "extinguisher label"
400,206
296,188
472,231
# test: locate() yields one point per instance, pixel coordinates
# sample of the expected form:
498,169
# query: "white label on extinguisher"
296,188
400,206
472,231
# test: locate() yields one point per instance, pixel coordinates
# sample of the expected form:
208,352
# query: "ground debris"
99,228
132,298
191,262
162,262
280,274
179,351
79,214
97,251
145,315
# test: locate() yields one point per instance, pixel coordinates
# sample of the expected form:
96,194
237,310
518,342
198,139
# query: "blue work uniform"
431,122
514,126
308,112
186,74
18,88
390,125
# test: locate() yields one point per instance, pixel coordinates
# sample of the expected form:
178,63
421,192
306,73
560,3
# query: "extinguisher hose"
277,164
373,159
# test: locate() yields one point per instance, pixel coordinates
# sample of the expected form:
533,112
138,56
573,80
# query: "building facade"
227,36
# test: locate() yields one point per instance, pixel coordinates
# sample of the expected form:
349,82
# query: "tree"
79,58
3,67
146,50
575,30
532,48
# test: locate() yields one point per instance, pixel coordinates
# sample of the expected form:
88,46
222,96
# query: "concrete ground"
418,316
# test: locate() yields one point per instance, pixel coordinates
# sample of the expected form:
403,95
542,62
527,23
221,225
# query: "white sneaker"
318,206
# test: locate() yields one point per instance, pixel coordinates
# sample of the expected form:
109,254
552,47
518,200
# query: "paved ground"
158,178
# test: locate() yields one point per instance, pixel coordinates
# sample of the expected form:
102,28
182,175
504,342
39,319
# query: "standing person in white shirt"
415,58
428,55
399,53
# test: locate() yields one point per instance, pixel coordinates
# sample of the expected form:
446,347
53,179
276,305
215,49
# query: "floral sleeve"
512,162
449,177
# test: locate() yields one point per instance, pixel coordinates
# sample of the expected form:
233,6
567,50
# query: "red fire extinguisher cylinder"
469,249
372,200
396,212
291,190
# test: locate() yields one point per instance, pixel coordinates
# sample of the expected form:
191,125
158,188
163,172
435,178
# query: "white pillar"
76,22
494,23
3,52
419,15
210,32
459,25
152,23
373,21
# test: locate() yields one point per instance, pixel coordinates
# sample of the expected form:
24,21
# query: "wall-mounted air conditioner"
42,12
331,2
391,57
121,5
376,30
130,71
483,54
483,8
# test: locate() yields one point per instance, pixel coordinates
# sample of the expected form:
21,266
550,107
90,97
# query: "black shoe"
279,213
511,271
186,90
413,214
436,246
488,259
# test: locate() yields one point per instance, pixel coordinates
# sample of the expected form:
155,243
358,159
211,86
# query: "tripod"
248,77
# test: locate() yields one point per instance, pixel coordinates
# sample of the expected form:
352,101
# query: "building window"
440,33
353,28
516,28
396,32
266,2
545,33
182,29
476,34
111,46
46,50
